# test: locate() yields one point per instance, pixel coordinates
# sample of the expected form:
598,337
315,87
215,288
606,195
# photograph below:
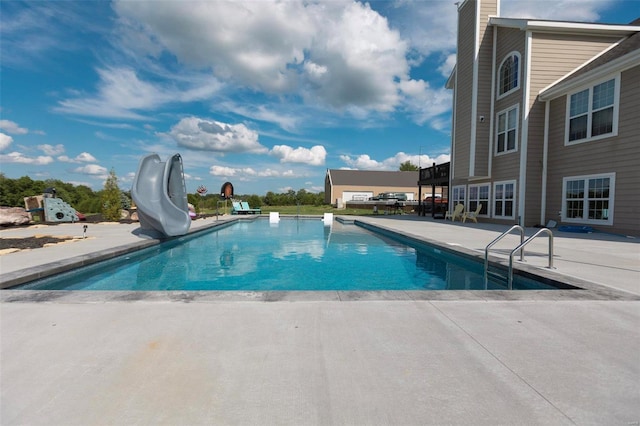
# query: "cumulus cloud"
92,169
211,135
51,149
83,157
5,141
17,157
12,128
365,162
314,156
342,54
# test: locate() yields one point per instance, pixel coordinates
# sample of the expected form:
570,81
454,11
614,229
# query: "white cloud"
84,157
5,141
92,169
246,172
570,10
51,149
365,162
17,157
122,94
211,135
314,156
12,128
341,54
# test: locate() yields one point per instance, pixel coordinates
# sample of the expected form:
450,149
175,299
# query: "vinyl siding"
485,58
464,89
619,154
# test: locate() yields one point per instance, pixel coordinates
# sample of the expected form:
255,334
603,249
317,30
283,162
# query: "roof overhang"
559,27
451,81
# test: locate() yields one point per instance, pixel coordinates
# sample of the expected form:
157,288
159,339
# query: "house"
546,120
360,185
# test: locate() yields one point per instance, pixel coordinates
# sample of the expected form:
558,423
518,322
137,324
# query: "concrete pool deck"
335,359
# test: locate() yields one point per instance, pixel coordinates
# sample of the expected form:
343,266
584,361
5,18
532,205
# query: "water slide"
161,196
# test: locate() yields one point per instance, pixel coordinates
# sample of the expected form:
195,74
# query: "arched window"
509,74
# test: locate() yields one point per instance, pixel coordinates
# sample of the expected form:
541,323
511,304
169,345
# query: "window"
588,199
458,195
504,199
509,74
507,131
593,112
479,194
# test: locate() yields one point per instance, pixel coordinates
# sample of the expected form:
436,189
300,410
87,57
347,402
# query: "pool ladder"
520,248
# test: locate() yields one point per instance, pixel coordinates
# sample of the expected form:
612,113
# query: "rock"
11,216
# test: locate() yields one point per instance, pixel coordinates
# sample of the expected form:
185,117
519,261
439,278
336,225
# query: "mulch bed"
30,242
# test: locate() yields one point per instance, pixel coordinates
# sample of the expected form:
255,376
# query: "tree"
111,199
407,166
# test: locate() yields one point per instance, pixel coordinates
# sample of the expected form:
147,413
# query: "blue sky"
267,95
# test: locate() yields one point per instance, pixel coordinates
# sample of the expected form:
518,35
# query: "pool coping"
582,289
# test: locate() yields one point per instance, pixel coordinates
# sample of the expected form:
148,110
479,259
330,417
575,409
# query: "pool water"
294,254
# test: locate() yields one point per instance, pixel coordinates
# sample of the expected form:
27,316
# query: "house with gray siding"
546,120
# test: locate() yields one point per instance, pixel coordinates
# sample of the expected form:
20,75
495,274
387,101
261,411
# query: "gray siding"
618,154
464,89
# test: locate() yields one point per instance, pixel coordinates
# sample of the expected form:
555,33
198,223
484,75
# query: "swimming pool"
294,254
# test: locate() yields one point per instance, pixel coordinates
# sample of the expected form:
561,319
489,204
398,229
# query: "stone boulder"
12,216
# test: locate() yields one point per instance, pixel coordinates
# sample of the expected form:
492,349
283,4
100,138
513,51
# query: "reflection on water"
294,255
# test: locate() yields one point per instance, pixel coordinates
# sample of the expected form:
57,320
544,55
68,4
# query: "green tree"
407,166
111,198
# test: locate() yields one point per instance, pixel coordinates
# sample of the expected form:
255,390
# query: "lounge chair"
456,214
472,215
246,208
236,208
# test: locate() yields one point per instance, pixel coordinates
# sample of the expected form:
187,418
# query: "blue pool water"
291,255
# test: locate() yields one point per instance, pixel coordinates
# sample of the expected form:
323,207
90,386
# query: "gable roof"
372,178
620,57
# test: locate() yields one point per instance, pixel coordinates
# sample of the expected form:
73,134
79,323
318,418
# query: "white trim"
517,128
524,133
618,65
563,27
545,159
514,200
479,185
616,110
586,220
499,76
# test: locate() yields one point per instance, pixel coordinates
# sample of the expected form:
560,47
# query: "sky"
266,95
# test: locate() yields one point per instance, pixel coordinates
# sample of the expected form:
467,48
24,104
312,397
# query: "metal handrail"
501,236
521,247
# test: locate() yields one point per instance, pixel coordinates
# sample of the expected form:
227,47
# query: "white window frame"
518,75
499,214
616,108
506,112
455,196
473,202
585,208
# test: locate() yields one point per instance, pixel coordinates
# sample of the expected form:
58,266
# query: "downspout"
522,181
545,153
493,101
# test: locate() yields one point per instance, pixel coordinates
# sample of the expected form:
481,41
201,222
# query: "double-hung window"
509,74
507,130
479,194
592,113
504,197
588,199
458,195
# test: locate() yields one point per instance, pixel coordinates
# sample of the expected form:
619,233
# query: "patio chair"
472,215
237,208
247,209
456,214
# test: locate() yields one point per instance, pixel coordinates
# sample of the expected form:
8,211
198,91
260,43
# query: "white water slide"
161,196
